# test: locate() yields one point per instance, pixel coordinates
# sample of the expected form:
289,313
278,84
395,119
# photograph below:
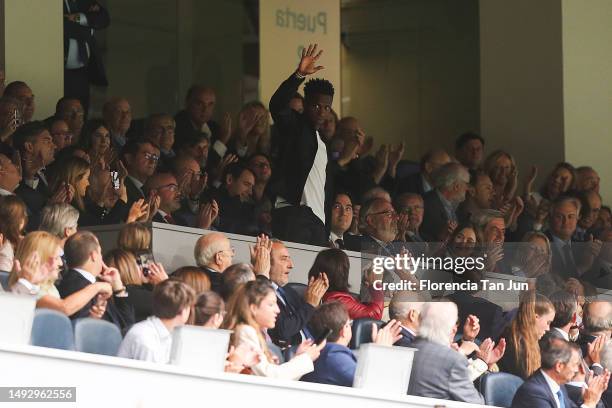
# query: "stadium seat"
498,389
299,288
4,280
362,331
97,337
52,329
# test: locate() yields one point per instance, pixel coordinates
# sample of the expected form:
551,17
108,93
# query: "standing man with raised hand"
299,211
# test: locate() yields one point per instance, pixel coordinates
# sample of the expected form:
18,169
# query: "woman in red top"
335,264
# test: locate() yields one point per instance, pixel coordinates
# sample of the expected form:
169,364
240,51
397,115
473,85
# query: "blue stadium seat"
52,329
362,331
4,280
97,337
498,389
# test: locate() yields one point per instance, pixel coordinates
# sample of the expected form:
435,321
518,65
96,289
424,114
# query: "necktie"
169,219
569,257
561,400
340,243
283,296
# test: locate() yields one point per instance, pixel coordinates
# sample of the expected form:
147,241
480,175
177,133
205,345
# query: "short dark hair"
335,263
62,103
170,297
332,315
206,306
11,88
132,146
78,247
318,86
565,304
28,133
555,351
236,170
464,138
85,141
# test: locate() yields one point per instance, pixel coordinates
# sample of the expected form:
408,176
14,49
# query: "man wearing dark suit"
166,187
421,182
35,144
214,254
84,257
304,178
600,274
295,311
140,157
450,185
82,61
236,213
340,220
562,222
406,309
546,388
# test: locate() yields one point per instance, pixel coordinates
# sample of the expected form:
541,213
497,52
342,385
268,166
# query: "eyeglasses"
151,157
388,214
231,249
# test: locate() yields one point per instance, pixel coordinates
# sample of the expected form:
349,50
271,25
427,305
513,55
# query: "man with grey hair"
597,322
450,185
213,254
61,220
563,221
438,371
547,387
405,307
233,276
378,224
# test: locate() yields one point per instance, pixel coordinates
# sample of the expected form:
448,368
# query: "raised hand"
529,180
395,155
97,311
208,214
388,335
31,270
308,63
247,120
316,289
138,211
596,386
471,328
157,273
225,131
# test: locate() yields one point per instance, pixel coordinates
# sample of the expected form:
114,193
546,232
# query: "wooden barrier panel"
104,382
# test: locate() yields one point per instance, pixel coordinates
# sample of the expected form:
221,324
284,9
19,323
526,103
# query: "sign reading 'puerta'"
286,27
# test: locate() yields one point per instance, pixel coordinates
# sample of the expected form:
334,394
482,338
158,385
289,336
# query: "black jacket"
96,20
293,317
435,218
300,146
119,311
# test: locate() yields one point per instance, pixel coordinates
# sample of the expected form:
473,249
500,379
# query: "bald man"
422,182
117,114
213,254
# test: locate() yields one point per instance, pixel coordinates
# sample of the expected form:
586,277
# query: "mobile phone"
144,260
17,118
326,333
115,179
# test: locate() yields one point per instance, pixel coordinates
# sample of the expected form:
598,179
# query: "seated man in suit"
84,258
71,111
213,254
35,144
341,219
236,213
450,185
546,388
166,187
597,322
438,371
422,182
411,206
140,157
567,311
159,128
563,220
469,149
10,176
479,196
295,311
117,115
405,307
336,364
151,339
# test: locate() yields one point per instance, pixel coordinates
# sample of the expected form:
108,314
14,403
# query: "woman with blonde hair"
501,168
193,277
36,270
252,310
135,237
533,318
139,280
13,219
72,174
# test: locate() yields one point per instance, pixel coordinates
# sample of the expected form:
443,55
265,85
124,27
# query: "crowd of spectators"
310,178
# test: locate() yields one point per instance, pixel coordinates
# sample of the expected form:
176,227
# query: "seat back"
298,288
52,329
362,331
97,337
4,276
498,389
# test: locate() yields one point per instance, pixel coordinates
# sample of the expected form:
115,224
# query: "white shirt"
562,333
314,189
4,192
148,340
554,387
7,256
86,275
72,59
333,238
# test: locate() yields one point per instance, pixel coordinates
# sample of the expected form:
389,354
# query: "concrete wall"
410,70
31,34
521,82
587,87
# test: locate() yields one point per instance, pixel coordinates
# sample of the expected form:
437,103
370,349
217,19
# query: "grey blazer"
441,372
